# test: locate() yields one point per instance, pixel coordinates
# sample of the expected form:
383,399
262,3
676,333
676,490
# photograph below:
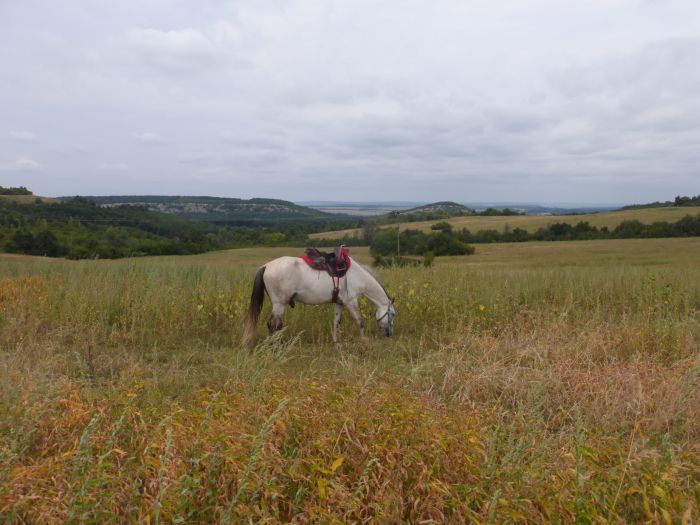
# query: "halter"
384,314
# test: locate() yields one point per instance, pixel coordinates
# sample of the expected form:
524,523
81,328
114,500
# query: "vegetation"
678,201
414,242
21,190
79,229
529,223
529,383
688,226
231,211
436,211
443,239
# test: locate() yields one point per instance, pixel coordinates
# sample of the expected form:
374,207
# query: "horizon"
311,202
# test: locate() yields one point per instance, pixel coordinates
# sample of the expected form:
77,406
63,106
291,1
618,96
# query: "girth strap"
336,288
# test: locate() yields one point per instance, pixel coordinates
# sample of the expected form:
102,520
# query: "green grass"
529,383
532,223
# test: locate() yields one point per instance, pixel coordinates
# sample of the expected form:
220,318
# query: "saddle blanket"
336,263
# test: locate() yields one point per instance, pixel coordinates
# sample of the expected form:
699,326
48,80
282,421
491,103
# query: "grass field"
25,199
532,222
529,383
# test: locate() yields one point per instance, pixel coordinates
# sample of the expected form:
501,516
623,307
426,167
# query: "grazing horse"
290,279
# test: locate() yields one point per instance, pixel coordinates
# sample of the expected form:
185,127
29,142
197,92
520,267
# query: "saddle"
335,263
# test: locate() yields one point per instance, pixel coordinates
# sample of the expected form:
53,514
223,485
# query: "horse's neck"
373,290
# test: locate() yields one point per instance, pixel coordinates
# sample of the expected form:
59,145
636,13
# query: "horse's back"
284,273
287,277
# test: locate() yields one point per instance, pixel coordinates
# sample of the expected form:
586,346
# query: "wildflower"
482,308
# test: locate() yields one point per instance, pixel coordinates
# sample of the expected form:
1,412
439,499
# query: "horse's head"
385,318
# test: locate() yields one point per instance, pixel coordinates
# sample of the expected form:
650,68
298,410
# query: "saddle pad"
316,264
320,261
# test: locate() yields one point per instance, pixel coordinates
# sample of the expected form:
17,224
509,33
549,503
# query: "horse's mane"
374,275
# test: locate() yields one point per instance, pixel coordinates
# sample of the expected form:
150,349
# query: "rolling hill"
443,207
78,229
533,222
222,209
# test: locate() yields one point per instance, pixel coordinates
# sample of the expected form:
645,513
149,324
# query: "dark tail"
256,302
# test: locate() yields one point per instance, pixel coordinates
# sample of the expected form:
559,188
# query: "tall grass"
525,393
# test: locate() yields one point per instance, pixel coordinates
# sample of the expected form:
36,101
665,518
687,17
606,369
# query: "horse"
290,279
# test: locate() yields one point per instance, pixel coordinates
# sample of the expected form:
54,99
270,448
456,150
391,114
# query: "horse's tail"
256,302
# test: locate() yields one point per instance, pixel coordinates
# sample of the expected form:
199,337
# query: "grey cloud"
113,166
176,49
21,164
22,136
149,137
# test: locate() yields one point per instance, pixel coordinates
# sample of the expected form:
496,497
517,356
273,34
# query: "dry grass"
535,383
532,223
26,199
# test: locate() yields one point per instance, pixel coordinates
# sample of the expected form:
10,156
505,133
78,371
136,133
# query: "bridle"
385,314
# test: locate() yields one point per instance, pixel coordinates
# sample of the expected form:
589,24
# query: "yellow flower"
482,307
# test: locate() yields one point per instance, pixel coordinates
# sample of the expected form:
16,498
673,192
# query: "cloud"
22,164
113,166
174,50
149,137
22,136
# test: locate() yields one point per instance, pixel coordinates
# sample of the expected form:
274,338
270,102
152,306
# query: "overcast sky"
596,101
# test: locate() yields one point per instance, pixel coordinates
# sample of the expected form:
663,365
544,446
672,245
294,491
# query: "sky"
547,101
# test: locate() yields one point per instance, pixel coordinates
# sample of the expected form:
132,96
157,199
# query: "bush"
395,261
414,242
442,226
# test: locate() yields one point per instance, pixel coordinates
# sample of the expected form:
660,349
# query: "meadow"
532,223
528,383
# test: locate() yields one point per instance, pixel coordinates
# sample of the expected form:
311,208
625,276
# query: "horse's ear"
392,299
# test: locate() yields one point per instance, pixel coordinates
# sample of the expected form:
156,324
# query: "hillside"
79,229
222,209
26,199
446,207
533,222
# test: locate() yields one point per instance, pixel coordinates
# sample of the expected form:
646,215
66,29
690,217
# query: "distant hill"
79,229
444,207
437,211
222,209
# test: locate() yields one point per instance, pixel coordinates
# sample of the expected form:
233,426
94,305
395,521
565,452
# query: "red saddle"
336,263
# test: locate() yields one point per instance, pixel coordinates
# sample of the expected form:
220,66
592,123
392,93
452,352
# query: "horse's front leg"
355,312
274,322
336,320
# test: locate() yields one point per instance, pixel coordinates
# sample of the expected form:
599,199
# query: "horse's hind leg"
274,322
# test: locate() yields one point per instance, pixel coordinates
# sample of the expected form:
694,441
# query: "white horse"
290,279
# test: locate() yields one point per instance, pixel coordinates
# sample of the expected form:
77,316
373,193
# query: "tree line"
444,240
21,190
680,200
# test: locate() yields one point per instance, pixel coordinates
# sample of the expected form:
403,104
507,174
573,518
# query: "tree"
442,226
